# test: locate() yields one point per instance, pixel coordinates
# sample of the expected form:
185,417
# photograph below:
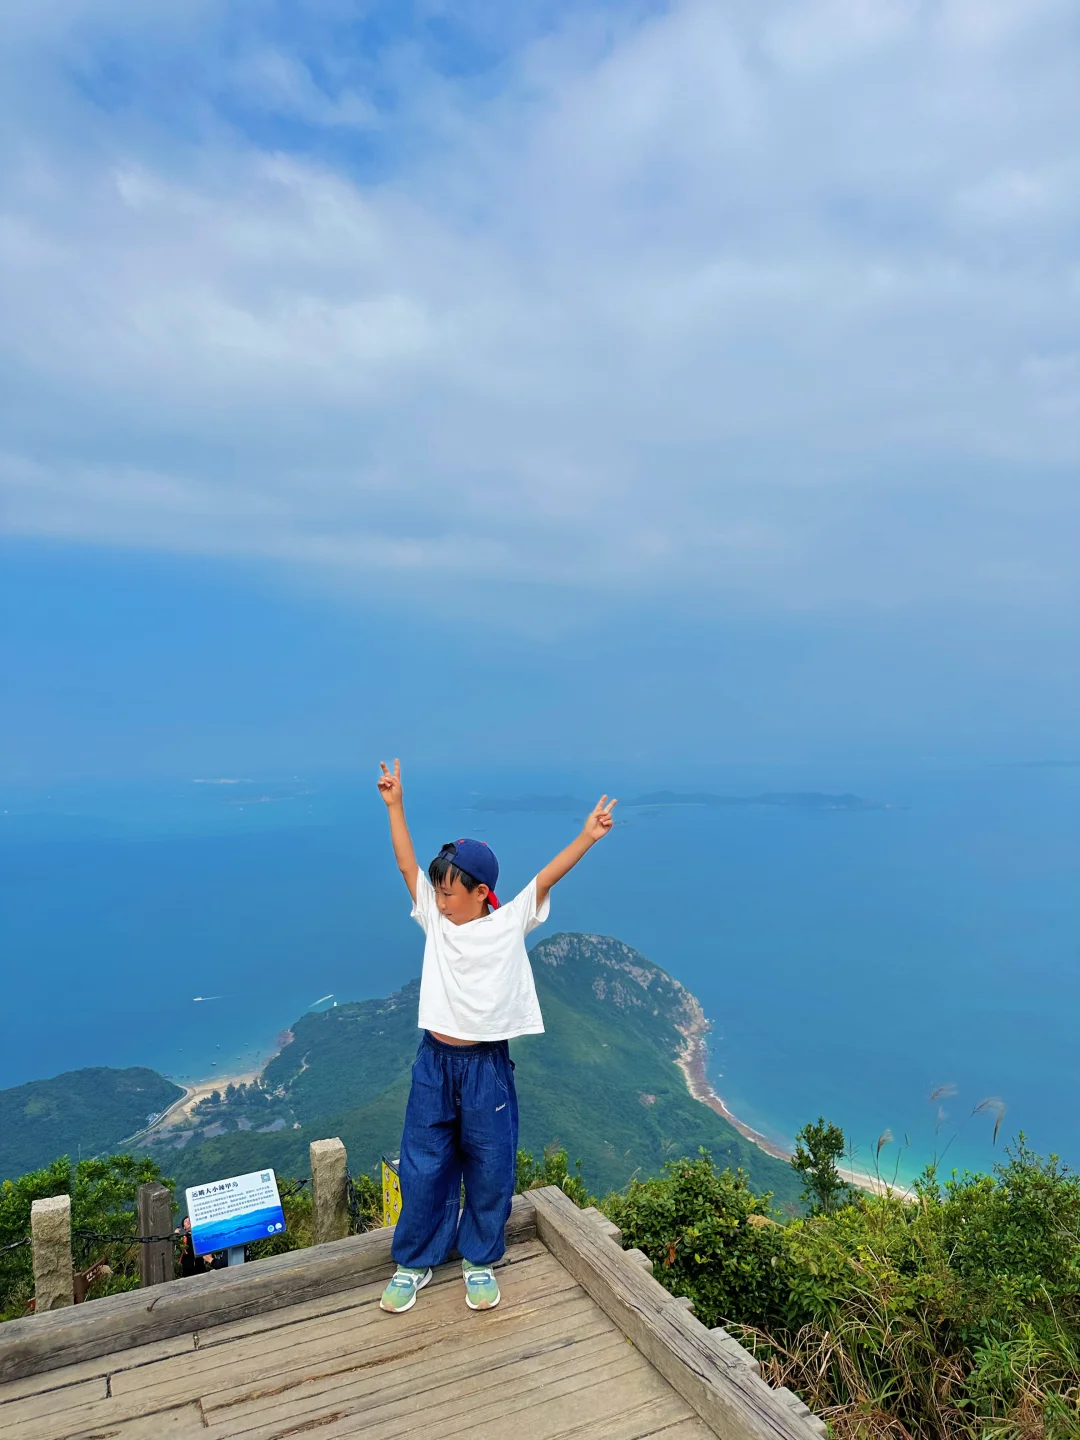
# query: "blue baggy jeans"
461,1123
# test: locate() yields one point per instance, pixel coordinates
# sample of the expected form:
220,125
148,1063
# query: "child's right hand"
390,783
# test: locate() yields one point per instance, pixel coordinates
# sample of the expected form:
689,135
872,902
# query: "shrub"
299,1230
950,1312
554,1169
817,1149
103,1195
709,1236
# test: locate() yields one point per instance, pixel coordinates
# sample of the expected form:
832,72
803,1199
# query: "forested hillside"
602,1081
82,1111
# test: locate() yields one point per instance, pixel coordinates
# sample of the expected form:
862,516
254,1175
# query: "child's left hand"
600,821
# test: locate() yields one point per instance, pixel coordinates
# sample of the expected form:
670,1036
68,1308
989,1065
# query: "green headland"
603,1083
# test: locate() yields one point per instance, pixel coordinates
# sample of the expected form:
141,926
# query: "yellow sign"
391,1192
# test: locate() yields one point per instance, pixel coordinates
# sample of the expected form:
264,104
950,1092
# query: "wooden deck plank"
403,1409
655,1416
183,1422
539,1274
457,1336
88,1369
342,1302
334,1336
403,1376
383,1352
593,1384
693,1428
34,1410
530,1271
462,1344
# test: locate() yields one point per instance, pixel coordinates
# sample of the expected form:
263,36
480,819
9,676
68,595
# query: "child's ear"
483,892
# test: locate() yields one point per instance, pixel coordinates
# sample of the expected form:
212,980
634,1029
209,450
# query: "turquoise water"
851,962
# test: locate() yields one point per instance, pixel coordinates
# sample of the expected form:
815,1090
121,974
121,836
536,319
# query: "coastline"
179,1112
693,1062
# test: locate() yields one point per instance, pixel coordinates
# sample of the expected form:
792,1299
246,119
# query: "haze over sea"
851,960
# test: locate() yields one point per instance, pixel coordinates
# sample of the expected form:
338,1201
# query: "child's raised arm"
404,854
595,828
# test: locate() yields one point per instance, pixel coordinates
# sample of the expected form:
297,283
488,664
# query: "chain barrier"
124,1239
15,1245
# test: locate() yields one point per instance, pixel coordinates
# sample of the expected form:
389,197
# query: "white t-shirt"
477,982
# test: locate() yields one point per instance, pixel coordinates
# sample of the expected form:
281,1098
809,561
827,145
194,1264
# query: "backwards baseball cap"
476,859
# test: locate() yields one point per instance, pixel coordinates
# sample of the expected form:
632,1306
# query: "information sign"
234,1212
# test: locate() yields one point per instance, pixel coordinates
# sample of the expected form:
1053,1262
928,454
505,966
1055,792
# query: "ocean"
853,961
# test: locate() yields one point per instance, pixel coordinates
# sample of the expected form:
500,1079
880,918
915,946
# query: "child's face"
458,904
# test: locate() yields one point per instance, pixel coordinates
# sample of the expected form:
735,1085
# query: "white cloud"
774,303
283,85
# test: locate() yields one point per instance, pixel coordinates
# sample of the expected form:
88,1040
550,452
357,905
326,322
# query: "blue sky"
636,378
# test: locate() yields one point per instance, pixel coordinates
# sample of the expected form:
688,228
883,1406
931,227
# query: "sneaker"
400,1294
481,1287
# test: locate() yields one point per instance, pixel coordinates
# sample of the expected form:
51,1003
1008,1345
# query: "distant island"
617,1080
781,800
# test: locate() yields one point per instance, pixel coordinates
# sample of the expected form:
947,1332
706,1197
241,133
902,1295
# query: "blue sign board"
234,1212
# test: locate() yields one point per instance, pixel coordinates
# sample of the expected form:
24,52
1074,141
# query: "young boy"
476,994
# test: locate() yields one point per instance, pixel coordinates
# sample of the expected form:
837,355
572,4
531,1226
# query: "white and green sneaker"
400,1294
481,1287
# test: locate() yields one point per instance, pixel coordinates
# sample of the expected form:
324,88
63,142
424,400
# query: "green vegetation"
103,1215
951,1313
93,1109
817,1149
553,1169
601,1083
709,1236
103,1196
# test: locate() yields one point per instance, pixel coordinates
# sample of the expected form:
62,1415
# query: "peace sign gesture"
600,821
390,783
596,826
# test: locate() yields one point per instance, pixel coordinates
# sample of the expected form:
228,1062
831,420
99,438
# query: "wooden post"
155,1218
54,1274
329,1194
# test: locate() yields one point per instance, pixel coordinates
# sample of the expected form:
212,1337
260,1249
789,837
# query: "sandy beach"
178,1115
183,1108
693,1062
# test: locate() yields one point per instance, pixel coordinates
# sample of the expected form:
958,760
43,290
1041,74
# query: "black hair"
443,868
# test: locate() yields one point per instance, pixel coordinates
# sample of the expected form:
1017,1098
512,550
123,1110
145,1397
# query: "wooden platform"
548,1362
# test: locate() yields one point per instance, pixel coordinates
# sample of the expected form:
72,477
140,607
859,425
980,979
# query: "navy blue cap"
478,860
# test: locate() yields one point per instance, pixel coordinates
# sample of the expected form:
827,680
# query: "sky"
537,382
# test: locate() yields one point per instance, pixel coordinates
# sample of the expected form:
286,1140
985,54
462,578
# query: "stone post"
329,1196
50,1229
